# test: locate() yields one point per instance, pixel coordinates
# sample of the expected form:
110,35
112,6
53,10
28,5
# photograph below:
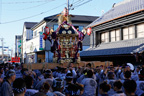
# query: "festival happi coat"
66,41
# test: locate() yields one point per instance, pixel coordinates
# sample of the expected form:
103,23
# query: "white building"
37,50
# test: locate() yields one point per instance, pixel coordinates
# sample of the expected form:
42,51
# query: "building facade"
118,35
37,50
18,45
27,35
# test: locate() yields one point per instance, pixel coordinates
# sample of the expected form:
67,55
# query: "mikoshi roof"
119,10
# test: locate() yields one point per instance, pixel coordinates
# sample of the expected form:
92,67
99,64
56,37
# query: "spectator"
29,83
89,84
104,88
130,87
118,88
58,87
6,89
19,87
70,88
127,75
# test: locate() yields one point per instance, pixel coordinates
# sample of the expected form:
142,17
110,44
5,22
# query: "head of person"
58,85
117,85
127,74
138,69
10,75
104,88
110,75
130,87
88,65
90,74
141,75
71,65
19,87
29,82
45,87
69,77
47,74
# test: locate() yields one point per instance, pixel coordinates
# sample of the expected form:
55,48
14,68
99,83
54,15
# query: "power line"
26,2
33,15
0,10
76,6
30,7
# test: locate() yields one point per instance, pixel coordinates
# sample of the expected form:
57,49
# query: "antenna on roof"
113,5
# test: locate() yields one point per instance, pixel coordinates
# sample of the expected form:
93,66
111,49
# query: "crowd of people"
72,81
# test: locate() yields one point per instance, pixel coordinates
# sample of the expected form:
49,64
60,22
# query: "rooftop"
29,25
118,10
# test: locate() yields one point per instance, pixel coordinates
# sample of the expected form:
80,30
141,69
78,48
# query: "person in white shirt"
89,85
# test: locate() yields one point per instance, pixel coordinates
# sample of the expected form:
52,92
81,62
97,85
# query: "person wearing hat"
72,89
6,89
58,86
19,87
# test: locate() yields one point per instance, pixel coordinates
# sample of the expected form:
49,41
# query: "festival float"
66,41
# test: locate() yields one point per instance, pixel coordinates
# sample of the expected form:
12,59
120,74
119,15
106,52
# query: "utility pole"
68,6
2,48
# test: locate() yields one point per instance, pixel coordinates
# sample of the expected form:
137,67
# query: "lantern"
89,30
44,36
47,30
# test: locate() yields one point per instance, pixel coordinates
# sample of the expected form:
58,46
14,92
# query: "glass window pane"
131,30
55,27
131,36
112,39
112,34
125,31
117,38
140,28
141,34
118,32
80,28
125,37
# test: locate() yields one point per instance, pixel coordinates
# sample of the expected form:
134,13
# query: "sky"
13,13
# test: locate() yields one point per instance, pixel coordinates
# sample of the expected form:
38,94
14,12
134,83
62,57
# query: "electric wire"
32,16
26,2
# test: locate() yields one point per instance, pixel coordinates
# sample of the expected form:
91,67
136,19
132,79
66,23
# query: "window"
128,33
35,33
118,35
140,30
80,28
55,27
43,29
105,37
125,33
131,32
113,36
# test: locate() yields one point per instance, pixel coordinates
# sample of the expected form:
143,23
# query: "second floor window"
105,37
140,30
55,26
128,33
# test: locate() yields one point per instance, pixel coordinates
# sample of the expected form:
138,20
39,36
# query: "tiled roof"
81,18
29,25
123,8
86,41
115,48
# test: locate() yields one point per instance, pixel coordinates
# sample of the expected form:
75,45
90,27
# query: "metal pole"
8,54
68,6
2,49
